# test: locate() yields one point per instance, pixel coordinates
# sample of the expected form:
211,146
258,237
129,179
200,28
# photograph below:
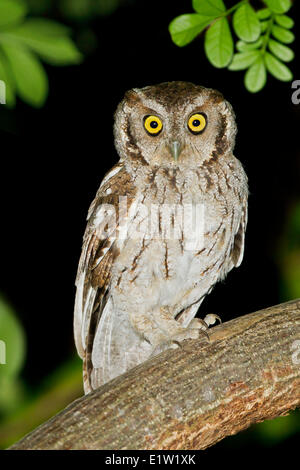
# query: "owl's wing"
237,251
98,254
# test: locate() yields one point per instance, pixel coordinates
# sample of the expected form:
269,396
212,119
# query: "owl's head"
174,124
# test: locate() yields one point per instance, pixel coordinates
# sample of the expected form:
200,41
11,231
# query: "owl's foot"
211,319
173,339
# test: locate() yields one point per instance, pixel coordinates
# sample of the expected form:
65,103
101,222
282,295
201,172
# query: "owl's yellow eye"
153,124
197,123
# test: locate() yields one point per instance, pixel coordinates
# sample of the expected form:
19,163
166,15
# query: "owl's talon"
211,319
198,323
177,343
205,333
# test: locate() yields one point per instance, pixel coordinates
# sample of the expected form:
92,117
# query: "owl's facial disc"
175,124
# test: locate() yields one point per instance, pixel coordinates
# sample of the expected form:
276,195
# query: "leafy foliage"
23,42
262,37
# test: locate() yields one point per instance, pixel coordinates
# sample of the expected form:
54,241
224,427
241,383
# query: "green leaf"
11,12
211,8
264,26
282,52
243,60
249,46
246,24
53,50
256,76
284,21
12,342
263,14
5,75
279,6
56,51
277,68
43,27
48,39
218,43
29,74
283,35
185,28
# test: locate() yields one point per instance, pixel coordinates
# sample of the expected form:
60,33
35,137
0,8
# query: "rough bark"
191,397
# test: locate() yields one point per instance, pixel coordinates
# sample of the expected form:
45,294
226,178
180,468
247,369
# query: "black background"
53,161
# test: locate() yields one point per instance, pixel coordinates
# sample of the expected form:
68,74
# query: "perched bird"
144,268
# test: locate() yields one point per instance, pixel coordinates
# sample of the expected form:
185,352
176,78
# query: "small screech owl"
138,290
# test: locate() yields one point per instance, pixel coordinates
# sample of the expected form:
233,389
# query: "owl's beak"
175,148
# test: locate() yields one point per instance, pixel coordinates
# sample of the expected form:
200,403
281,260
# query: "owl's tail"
113,347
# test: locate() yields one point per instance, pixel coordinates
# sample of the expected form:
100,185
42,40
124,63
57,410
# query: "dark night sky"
55,158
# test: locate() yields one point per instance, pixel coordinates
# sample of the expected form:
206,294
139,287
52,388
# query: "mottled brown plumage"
167,223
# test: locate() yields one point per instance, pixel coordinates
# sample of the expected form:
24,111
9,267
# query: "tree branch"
191,397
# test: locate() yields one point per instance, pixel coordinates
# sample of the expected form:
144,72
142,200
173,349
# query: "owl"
167,223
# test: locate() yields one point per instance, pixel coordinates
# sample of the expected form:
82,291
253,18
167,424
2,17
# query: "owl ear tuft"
231,127
132,96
